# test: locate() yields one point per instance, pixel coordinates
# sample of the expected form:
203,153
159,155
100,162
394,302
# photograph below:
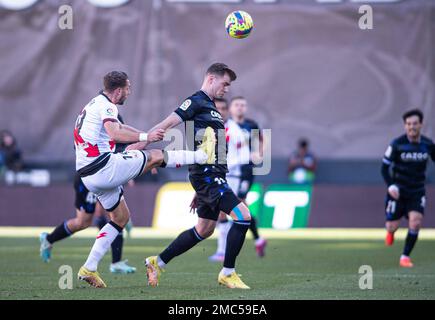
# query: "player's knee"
241,212
82,224
205,231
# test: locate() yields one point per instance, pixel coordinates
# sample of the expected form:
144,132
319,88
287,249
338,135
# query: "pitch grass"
292,269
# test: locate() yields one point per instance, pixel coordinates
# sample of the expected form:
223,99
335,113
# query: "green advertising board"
285,206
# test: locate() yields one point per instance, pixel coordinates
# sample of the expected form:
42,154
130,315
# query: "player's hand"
393,191
156,135
194,204
136,146
256,158
154,171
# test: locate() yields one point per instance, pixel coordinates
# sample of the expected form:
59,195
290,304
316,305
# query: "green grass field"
292,269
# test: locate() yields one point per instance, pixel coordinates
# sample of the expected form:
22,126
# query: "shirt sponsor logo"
215,114
414,156
186,104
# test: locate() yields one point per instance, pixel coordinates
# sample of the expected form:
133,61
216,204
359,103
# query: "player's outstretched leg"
415,219
223,227
236,237
119,218
186,240
62,231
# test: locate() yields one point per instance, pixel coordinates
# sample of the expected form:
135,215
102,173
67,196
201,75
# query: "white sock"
177,158
228,271
223,228
104,239
161,263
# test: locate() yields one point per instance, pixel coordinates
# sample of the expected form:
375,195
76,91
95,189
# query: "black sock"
61,232
117,248
410,241
181,244
101,221
235,240
254,229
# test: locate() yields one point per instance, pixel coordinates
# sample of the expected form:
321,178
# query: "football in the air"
239,24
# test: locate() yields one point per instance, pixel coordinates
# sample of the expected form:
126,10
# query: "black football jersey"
201,110
409,161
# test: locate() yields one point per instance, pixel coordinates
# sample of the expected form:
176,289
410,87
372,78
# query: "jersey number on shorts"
391,206
220,180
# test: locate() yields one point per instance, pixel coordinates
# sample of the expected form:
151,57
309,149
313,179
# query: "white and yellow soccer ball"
239,24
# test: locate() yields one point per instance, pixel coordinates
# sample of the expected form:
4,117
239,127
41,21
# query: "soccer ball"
239,24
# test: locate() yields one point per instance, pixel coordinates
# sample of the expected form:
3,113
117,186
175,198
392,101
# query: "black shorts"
213,195
396,209
85,200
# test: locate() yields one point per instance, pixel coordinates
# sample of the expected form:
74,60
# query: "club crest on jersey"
186,104
414,156
109,111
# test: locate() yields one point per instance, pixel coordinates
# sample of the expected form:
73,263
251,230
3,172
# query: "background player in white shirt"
103,172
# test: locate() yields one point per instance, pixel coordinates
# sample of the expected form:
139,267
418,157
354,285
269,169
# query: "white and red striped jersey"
238,147
90,137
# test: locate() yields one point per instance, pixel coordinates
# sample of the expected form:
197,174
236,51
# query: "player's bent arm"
385,171
130,128
119,133
171,121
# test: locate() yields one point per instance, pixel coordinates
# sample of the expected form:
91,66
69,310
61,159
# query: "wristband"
143,136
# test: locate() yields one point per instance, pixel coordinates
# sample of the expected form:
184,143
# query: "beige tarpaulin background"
306,70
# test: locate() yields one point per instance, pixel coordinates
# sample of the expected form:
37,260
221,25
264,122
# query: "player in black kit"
209,180
407,157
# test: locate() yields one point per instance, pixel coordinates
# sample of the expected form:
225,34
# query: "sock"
104,239
117,248
178,158
254,229
224,228
410,241
235,239
160,262
61,232
101,221
181,244
228,271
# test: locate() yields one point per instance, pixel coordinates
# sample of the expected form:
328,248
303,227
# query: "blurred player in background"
240,167
104,172
407,155
302,164
87,205
213,194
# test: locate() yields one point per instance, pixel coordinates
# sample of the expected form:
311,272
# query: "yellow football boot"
232,281
153,271
91,277
208,145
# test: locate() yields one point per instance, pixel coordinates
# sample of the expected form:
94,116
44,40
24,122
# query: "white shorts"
108,182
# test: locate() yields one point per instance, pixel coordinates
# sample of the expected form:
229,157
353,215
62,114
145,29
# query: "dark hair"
220,69
413,112
221,100
238,98
114,80
303,143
